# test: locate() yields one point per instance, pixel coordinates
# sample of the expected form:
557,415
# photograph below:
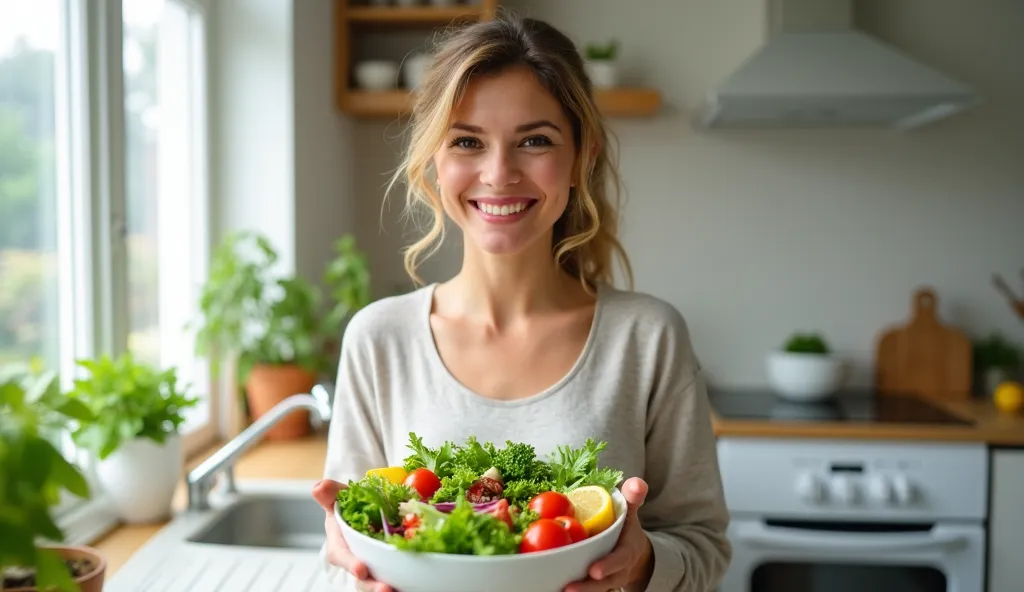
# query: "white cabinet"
1006,522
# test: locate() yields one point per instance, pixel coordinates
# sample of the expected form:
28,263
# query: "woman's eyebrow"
526,127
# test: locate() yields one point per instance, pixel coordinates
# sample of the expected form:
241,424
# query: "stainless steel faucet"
200,479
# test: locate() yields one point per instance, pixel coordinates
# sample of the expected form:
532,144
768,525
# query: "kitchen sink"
274,521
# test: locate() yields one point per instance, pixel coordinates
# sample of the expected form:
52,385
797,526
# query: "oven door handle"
797,539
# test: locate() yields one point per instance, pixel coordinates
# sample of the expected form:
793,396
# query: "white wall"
755,234
282,158
253,120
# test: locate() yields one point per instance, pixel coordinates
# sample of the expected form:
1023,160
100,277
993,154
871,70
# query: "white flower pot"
603,73
804,377
141,477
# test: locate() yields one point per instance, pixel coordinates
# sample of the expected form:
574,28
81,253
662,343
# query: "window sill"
89,522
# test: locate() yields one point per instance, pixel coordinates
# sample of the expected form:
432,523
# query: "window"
166,204
104,205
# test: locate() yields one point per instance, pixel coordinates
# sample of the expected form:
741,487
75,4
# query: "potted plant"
805,369
997,360
36,475
137,412
601,65
272,325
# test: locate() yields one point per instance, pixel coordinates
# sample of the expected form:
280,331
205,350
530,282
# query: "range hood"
817,70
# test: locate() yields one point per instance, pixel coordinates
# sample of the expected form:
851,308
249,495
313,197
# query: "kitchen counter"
987,424
304,458
292,459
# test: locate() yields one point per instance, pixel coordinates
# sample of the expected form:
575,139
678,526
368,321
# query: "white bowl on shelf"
543,571
376,74
804,376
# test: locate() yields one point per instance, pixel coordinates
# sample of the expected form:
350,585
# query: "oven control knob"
809,488
879,489
903,490
843,489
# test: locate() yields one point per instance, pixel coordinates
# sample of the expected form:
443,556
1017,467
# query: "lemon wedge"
594,508
393,474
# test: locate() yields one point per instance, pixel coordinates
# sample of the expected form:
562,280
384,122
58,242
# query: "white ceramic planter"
141,476
603,73
804,377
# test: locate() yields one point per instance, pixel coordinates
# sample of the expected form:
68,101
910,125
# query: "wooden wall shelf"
624,102
361,18
416,15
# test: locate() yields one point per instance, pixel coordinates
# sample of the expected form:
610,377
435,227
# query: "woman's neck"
499,289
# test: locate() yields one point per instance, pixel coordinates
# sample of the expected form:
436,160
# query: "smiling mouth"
505,208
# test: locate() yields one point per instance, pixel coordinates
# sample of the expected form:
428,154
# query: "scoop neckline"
475,397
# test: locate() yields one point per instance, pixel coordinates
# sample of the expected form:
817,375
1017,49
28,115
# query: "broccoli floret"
517,461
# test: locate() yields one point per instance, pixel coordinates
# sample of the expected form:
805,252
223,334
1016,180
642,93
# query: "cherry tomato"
500,511
552,504
410,523
542,535
572,526
424,481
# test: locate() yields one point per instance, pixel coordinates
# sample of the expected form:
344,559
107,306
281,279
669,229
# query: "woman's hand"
630,564
325,492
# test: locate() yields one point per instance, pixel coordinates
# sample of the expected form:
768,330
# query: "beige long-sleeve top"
636,385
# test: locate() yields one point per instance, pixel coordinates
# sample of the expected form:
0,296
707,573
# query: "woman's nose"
500,169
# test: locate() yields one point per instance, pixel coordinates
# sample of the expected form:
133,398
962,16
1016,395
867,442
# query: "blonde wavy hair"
585,236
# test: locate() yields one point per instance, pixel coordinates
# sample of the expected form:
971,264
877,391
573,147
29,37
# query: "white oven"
815,515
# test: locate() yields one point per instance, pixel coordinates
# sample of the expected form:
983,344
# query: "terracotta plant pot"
268,385
88,582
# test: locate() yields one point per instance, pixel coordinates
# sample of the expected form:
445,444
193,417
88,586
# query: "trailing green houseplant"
137,413
35,475
273,326
129,399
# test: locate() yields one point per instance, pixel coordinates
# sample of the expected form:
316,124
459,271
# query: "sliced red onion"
384,521
447,507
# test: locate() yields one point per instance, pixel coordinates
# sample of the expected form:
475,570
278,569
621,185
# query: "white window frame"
91,239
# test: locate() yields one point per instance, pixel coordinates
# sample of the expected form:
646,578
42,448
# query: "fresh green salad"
477,498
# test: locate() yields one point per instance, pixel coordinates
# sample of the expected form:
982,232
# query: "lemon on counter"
393,474
594,508
1009,396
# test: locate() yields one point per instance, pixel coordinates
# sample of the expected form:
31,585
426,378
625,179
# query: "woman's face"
505,166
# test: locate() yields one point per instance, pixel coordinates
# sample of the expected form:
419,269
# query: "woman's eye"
535,141
465,142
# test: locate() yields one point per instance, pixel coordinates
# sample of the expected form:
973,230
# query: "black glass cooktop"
859,406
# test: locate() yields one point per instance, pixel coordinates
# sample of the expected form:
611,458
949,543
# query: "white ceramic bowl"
376,74
804,377
543,571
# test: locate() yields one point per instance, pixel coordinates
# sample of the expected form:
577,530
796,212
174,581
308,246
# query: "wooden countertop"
292,459
304,458
988,425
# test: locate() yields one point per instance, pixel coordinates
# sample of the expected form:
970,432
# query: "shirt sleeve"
354,443
684,514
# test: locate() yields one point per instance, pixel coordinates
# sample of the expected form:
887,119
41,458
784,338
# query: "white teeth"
504,210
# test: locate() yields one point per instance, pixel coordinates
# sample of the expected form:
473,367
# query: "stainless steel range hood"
817,70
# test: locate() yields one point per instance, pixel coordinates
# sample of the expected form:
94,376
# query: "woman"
529,342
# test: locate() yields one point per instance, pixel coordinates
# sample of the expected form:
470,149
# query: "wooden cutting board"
923,356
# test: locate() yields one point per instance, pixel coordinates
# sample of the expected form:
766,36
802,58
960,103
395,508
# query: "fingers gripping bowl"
459,515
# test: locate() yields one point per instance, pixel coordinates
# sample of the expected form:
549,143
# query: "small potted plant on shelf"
137,412
601,64
272,325
996,360
805,369
35,476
